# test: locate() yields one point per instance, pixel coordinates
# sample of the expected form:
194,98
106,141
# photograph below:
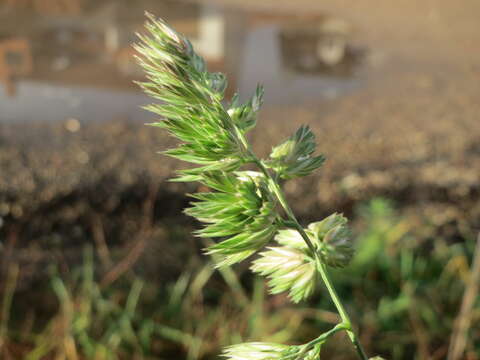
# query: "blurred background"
97,260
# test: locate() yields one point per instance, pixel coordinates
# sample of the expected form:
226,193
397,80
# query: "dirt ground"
411,133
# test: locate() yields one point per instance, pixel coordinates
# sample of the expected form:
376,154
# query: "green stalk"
322,338
322,268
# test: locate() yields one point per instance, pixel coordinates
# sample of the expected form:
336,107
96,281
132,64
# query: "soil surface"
411,132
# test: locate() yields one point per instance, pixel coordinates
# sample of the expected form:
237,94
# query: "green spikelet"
241,210
261,351
190,98
288,269
293,158
292,267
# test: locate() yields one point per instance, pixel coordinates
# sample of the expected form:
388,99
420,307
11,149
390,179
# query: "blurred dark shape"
321,45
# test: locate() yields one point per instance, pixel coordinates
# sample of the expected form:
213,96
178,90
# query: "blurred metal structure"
77,38
49,7
15,60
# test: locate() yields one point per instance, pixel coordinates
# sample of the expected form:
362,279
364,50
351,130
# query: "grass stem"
322,268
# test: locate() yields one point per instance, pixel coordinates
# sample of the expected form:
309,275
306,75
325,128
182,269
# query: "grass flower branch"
245,210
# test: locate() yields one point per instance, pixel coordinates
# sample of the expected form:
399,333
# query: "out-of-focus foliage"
407,289
416,285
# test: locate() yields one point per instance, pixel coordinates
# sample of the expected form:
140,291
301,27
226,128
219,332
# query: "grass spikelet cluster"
244,209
